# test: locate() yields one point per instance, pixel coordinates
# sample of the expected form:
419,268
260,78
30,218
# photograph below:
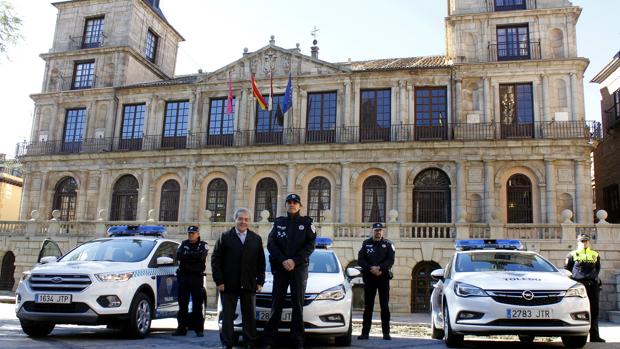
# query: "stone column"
188,209
458,110
410,104
573,96
290,181
295,111
402,191
80,209
489,191
461,209
345,178
346,105
583,196
487,100
449,104
238,193
545,98
551,194
143,199
196,109
89,125
104,194
356,104
43,204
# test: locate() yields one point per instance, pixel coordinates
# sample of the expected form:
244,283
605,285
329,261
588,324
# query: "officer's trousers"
247,301
281,280
372,284
593,291
190,285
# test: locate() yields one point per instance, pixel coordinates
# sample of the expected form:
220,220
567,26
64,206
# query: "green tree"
9,27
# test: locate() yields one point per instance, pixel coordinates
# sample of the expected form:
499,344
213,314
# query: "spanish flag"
259,97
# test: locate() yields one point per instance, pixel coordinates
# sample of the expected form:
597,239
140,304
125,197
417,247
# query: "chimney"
314,50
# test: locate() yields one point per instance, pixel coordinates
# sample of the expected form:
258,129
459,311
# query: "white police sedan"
494,287
123,281
327,303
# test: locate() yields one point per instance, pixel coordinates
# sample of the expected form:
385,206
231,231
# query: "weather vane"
313,32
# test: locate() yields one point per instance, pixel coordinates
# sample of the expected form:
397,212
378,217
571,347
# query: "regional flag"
288,95
259,97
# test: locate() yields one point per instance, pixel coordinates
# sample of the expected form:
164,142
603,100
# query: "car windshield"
111,250
320,262
502,261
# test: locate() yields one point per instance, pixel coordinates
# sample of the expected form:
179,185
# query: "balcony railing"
587,130
77,42
524,50
493,5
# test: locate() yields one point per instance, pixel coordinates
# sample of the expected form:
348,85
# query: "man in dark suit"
238,266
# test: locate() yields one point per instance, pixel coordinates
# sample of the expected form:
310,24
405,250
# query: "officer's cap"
193,229
583,237
376,226
293,197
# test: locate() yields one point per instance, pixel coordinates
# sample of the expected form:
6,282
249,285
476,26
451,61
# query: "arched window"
266,198
431,197
217,190
519,203
169,201
319,195
125,199
7,277
374,197
65,197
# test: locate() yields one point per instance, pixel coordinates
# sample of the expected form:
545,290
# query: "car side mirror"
353,273
48,259
437,274
164,260
565,272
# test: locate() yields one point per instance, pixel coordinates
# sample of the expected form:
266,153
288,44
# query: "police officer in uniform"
585,265
376,257
192,255
290,244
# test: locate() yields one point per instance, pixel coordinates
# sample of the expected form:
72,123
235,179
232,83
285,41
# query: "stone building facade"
490,137
606,162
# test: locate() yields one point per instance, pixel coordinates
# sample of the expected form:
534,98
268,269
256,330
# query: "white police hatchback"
327,302
494,287
123,281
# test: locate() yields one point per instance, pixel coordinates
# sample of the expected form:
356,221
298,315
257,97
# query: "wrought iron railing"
495,5
78,43
524,50
590,130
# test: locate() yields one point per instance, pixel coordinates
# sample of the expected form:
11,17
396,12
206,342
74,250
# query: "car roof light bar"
488,244
131,230
323,242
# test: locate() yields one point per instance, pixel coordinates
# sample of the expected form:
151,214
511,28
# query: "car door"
166,283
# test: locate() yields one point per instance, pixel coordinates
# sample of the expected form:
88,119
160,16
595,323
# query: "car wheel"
345,341
140,312
452,339
526,338
436,333
574,341
37,328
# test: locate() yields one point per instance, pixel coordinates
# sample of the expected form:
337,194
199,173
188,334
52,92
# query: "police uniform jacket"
376,253
192,258
292,237
585,265
239,266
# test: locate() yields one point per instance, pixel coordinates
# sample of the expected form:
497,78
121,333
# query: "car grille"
527,323
516,297
264,300
283,325
74,308
59,282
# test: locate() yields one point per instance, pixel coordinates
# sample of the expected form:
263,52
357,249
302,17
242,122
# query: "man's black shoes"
597,340
200,334
387,337
363,337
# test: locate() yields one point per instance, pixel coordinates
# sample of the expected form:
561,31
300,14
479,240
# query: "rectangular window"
611,200
431,118
150,49
221,124
517,110
132,130
175,124
321,119
83,75
513,42
93,32
510,5
74,129
613,113
375,115
270,124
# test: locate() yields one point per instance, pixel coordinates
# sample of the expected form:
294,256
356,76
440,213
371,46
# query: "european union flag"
288,96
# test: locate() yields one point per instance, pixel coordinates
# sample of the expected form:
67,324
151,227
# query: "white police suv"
123,281
327,302
494,287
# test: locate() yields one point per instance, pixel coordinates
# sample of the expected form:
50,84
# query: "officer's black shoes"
363,337
387,337
200,334
179,333
597,340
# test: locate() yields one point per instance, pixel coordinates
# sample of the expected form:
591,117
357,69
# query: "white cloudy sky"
216,32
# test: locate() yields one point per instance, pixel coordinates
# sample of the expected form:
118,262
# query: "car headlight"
578,290
465,290
114,276
333,294
25,275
